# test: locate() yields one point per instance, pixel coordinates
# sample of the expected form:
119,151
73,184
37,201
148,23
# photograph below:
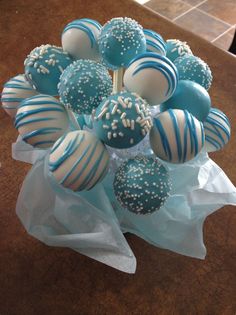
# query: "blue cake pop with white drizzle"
152,76
142,185
155,42
122,120
217,130
194,69
83,85
44,66
121,39
79,39
192,97
15,91
79,160
41,120
176,48
176,136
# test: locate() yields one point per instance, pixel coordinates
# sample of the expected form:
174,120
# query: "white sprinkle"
114,135
131,141
109,135
102,113
60,68
132,124
124,123
121,134
143,132
114,109
105,126
120,100
128,123
123,115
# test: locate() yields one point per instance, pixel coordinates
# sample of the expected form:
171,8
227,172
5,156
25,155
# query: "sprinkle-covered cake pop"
79,160
194,69
176,48
79,39
152,76
121,39
43,68
122,120
83,85
192,97
155,42
142,185
41,120
176,136
14,92
217,130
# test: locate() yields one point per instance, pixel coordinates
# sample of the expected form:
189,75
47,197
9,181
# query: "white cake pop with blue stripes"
217,130
79,39
14,92
151,76
155,42
41,120
176,136
79,160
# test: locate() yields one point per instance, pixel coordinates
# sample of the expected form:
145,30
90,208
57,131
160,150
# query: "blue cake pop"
122,120
142,184
152,76
79,39
14,92
194,69
83,85
217,130
79,160
192,97
176,136
155,43
176,48
43,68
121,39
41,120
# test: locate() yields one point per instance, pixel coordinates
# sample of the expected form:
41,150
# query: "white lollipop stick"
118,80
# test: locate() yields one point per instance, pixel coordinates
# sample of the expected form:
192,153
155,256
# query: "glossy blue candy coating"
217,130
192,97
142,184
194,69
121,39
176,48
44,66
176,136
122,120
155,42
79,160
41,120
83,85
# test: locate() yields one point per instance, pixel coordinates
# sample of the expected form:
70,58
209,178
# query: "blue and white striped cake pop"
79,160
41,120
43,68
83,85
194,69
176,136
142,185
217,130
121,39
176,48
192,97
155,42
14,92
122,120
79,39
152,76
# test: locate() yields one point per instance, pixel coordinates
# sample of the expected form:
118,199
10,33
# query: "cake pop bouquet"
111,155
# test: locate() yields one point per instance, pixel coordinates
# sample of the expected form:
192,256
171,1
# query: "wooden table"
36,279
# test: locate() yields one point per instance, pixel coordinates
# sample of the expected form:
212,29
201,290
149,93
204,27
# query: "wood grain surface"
36,279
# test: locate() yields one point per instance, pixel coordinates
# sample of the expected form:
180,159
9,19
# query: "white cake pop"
79,160
14,92
176,136
41,120
152,76
79,39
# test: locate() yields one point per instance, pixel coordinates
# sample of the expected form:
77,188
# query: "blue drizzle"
41,131
103,173
71,147
81,26
177,134
164,138
33,120
93,22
